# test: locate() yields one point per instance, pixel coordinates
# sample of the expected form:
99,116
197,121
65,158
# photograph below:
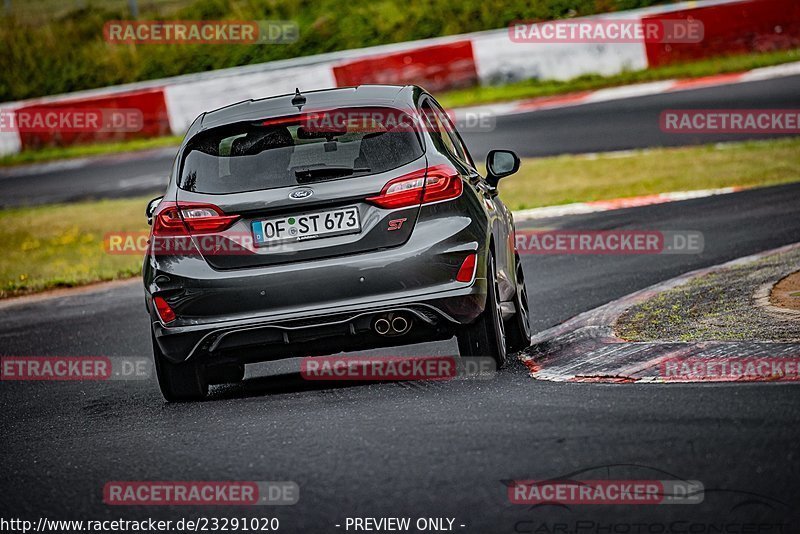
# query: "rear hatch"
301,187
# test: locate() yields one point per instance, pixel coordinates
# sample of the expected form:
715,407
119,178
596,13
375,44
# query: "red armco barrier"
436,67
737,28
153,121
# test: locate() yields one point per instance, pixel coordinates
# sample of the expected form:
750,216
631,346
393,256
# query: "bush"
48,50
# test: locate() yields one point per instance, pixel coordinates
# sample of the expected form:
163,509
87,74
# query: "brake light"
193,218
164,310
467,270
292,119
401,192
443,183
439,182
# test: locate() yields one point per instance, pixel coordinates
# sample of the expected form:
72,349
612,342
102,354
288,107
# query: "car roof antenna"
298,99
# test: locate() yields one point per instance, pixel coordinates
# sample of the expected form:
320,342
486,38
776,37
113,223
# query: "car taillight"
467,270
164,310
173,219
439,182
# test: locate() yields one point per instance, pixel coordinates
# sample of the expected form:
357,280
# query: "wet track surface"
416,449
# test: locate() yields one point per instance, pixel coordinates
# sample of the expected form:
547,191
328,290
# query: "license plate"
306,226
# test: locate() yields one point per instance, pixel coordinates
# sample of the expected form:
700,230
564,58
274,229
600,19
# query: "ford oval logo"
299,194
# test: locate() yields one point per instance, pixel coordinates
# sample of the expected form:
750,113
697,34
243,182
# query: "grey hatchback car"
334,220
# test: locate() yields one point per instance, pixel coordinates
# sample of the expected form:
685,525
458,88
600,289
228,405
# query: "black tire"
518,326
225,374
486,336
179,382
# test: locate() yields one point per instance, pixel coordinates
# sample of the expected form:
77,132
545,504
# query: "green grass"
46,247
62,245
45,11
53,47
717,306
80,151
565,179
537,88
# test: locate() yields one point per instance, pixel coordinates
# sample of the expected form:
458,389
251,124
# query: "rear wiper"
306,174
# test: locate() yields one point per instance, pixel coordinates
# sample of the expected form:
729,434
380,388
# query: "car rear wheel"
486,336
179,381
225,374
518,327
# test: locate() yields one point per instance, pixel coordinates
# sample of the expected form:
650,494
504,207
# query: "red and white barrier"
731,28
501,60
438,67
186,101
150,102
626,91
490,57
10,142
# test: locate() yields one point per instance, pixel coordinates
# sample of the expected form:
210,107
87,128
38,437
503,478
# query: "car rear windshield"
301,149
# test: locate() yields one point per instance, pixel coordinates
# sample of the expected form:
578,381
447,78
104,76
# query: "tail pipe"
392,324
400,324
382,326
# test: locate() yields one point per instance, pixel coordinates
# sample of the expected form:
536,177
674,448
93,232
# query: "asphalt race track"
433,449
606,126
420,449
631,123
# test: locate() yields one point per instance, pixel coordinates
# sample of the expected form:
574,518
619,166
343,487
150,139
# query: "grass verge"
718,306
62,245
536,88
468,97
565,179
54,246
82,151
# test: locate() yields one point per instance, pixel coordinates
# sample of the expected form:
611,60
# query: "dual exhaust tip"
392,325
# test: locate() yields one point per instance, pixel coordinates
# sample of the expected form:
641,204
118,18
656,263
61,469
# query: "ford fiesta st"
329,221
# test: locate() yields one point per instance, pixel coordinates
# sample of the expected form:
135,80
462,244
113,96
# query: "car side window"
460,150
436,128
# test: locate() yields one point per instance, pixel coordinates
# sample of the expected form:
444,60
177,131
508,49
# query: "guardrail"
490,57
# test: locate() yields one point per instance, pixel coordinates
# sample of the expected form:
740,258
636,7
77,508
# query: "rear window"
302,149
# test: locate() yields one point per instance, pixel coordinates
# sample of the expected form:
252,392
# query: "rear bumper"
348,326
281,306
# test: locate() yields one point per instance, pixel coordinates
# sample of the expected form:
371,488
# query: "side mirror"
500,163
151,209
